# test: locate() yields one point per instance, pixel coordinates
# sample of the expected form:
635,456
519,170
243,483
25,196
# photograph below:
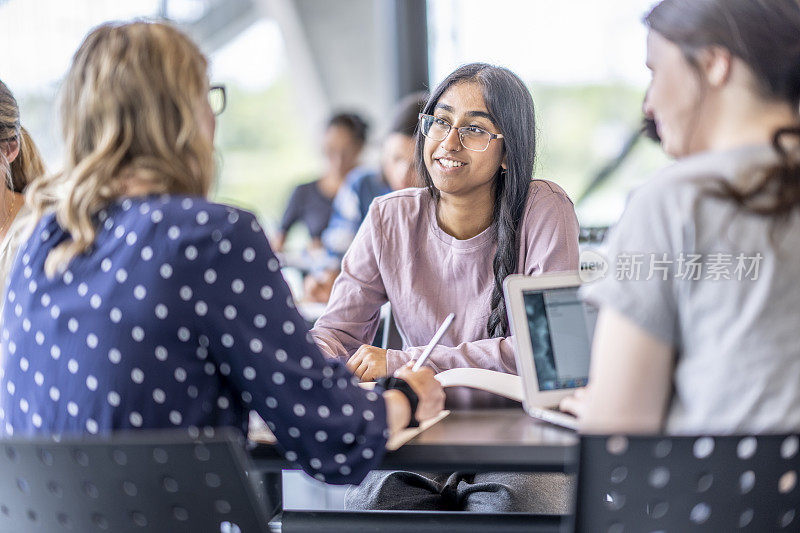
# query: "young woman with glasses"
447,247
139,304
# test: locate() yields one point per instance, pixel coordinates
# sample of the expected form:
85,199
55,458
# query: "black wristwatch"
388,383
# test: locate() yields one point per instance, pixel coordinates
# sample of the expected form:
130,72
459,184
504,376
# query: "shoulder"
305,189
359,180
688,178
677,177
308,185
359,175
182,219
399,211
371,183
203,234
192,210
545,198
539,190
660,209
667,199
404,203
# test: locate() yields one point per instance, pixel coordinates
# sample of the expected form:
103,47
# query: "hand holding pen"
434,341
426,395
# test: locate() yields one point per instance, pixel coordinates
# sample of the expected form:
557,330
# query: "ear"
10,150
504,163
716,62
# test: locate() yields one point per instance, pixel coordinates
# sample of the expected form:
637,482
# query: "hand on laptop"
368,363
577,403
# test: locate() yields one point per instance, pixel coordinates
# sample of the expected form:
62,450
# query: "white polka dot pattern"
178,316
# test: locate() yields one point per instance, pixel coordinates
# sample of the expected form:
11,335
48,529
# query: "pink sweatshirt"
401,255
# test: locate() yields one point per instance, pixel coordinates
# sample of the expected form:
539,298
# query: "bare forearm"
630,380
492,354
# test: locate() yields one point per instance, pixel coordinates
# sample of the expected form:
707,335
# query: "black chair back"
137,481
685,484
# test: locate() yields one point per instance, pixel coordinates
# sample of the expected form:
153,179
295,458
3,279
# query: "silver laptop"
553,333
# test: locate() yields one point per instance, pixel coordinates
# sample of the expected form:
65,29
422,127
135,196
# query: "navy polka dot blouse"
177,316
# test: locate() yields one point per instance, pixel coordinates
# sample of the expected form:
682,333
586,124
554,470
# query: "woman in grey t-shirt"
698,324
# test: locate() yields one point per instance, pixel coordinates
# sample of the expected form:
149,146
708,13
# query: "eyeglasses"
471,137
217,99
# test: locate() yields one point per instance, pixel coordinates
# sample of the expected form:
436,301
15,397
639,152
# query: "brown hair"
765,35
407,112
129,112
352,122
28,164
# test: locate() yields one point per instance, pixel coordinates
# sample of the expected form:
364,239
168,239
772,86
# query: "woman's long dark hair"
511,108
765,34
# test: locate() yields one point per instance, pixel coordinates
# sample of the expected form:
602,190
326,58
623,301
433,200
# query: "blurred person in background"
20,163
350,207
312,203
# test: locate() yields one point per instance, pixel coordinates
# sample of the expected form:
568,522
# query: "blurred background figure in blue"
362,186
312,203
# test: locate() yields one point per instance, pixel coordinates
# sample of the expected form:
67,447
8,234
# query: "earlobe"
504,163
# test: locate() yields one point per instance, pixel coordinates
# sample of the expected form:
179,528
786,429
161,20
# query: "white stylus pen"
434,341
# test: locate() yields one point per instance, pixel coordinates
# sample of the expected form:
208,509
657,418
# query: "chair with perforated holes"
684,484
136,481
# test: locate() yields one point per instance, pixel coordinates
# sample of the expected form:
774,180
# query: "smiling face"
672,97
454,169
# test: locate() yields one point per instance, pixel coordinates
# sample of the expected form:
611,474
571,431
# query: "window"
262,149
584,62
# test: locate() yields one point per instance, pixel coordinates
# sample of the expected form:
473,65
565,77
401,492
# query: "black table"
485,440
482,440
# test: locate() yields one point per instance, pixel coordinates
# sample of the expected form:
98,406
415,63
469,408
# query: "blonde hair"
129,112
28,165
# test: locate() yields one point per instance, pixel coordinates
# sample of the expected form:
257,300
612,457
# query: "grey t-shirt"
720,286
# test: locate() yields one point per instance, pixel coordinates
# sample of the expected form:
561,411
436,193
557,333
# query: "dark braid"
507,219
511,107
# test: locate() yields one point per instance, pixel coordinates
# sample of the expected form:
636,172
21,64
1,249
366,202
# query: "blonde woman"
137,303
20,163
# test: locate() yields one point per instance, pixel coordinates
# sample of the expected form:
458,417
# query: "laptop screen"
561,327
